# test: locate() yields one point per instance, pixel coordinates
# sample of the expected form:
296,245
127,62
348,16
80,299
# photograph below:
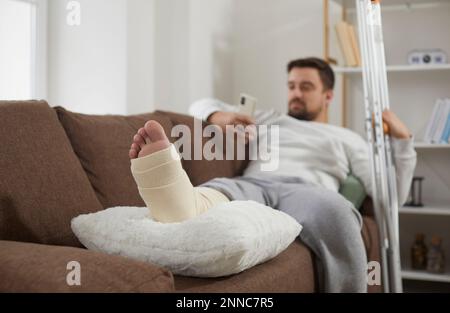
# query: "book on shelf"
438,127
446,133
348,43
354,42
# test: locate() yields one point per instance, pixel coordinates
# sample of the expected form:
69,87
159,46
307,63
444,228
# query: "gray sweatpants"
331,224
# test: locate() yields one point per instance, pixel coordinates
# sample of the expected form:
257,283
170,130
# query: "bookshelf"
398,4
413,90
437,210
424,145
408,273
395,68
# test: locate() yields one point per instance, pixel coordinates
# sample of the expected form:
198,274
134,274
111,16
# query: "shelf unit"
395,68
424,145
398,4
425,276
426,210
348,8
433,159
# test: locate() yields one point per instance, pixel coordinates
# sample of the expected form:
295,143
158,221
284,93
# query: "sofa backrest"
101,143
42,183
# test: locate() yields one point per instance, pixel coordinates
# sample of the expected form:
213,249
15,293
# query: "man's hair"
325,71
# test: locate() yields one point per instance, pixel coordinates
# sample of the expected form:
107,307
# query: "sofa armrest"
27,267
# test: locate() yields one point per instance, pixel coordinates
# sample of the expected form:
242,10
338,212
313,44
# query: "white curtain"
17,49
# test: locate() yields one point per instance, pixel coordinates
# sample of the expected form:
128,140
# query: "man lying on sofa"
315,158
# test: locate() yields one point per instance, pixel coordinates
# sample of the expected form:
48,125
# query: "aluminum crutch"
376,100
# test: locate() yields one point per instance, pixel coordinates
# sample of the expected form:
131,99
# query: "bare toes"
155,131
133,154
139,140
135,146
144,135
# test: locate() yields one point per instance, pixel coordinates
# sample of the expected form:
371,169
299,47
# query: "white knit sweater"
320,153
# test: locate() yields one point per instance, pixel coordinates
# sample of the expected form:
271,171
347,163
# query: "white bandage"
166,189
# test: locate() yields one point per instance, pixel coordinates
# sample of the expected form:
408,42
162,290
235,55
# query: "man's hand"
397,128
222,119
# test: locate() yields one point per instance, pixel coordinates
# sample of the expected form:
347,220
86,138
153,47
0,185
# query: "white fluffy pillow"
225,240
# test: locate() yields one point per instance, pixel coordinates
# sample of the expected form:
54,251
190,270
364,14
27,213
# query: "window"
20,53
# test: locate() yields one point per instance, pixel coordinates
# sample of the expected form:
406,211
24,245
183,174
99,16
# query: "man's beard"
301,113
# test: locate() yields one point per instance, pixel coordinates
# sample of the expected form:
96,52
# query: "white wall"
140,56
212,32
41,58
269,35
223,47
192,51
171,54
23,45
16,79
87,63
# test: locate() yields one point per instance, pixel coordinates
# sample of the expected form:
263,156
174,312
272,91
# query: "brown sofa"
56,164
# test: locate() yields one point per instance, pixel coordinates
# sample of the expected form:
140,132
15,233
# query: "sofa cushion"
290,271
42,185
353,190
26,267
102,144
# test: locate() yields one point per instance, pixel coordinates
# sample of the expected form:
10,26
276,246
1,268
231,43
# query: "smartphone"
247,104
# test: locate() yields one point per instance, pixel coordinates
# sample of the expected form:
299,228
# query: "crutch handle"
386,129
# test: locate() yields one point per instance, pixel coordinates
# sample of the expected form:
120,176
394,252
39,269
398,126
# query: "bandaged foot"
163,184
